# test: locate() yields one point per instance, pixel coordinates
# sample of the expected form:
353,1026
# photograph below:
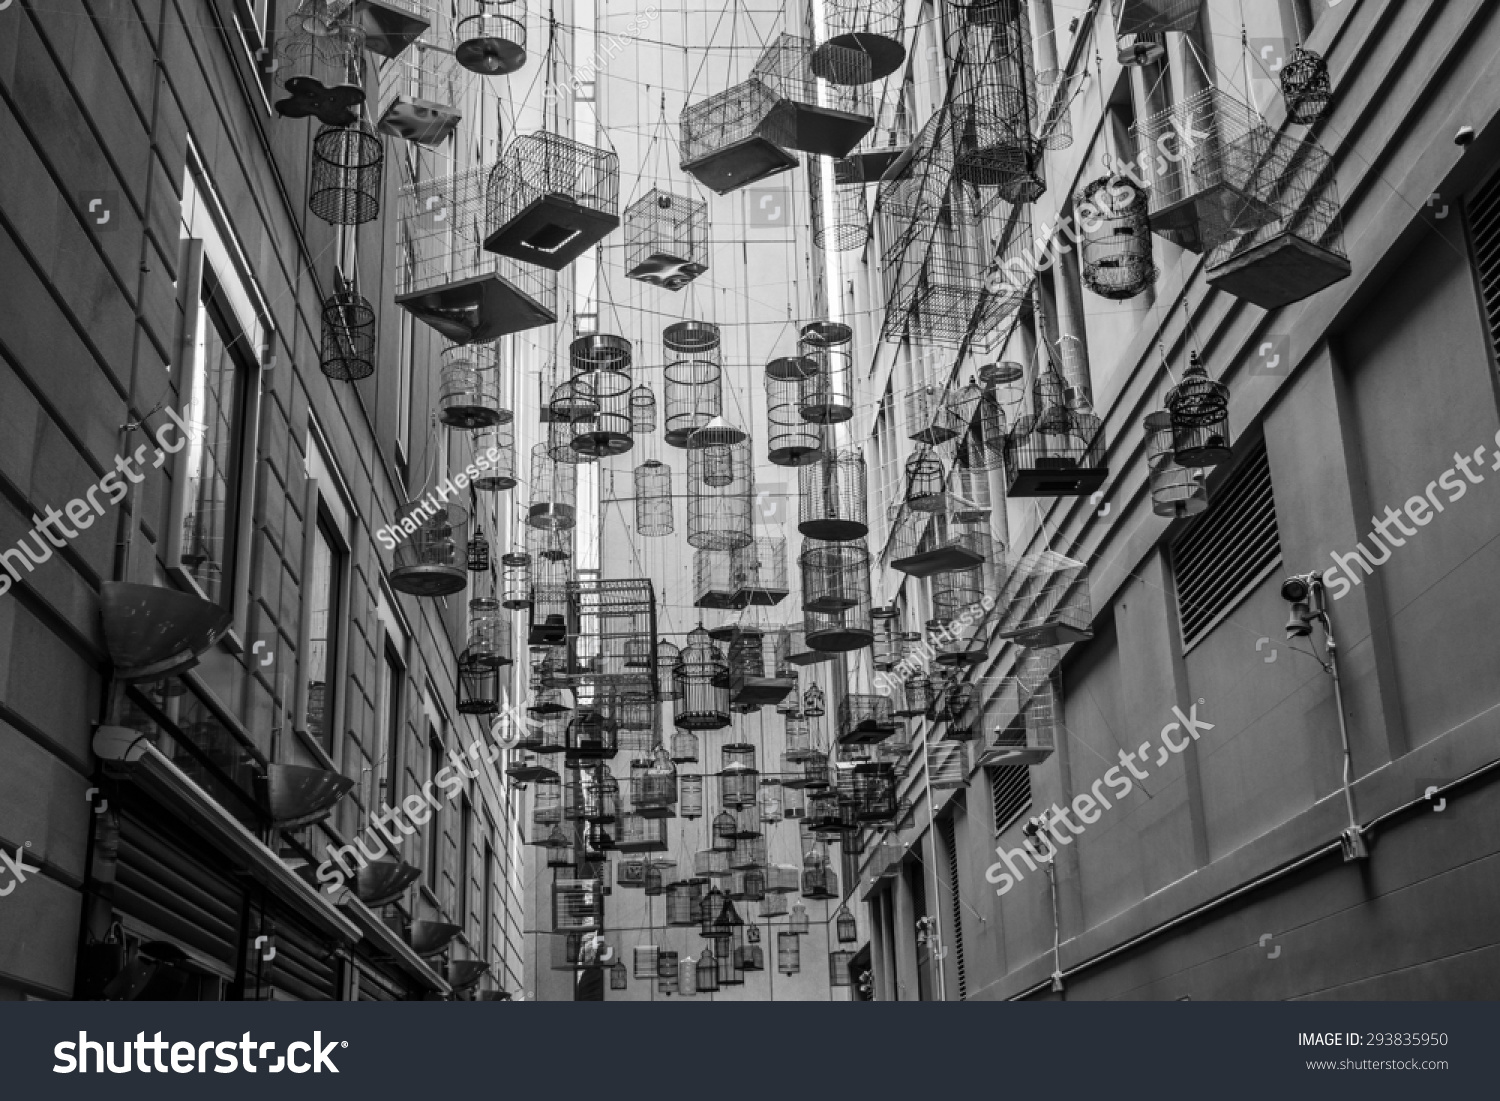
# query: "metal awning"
384,937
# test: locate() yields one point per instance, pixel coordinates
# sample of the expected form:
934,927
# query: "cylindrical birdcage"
653,498
591,736
926,483
1306,87
826,394
791,440
832,500
770,800
835,576
491,36
701,677
470,394
348,165
798,739
690,795
890,137
478,685
683,899
478,556
554,492
721,480
667,654
320,62
1176,490
489,633
684,746
850,628
1116,255
994,103
515,580
838,968
1199,407
708,972
546,802
431,561
745,824
872,28
788,953
693,378
348,337
739,782
840,211
500,473
656,794
642,411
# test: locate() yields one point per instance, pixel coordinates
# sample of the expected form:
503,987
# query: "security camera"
1295,590
1464,136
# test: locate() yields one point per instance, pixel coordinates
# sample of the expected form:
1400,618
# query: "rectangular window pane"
323,594
214,411
394,676
435,827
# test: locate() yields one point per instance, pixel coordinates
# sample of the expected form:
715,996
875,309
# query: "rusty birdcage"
832,503
826,119
692,389
421,91
653,499
447,280
348,352
491,36
1116,256
320,63
1058,449
737,137
1046,601
666,239
347,170
551,199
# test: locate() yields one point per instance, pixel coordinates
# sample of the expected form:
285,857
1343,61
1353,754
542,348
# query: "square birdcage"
760,572
888,139
944,544
1025,713
736,137
446,279
865,718
947,765
577,905
551,199
928,417
714,584
638,834
827,120
1200,159
1057,450
1046,601
666,239
759,672
1155,16
607,622
420,92
944,290
1301,251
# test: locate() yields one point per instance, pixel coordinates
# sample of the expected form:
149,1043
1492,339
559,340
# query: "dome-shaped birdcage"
840,207
722,831
642,411
491,36
1177,491
1306,86
430,559
666,239
872,28
770,800
739,781
692,389
1116,255
666,661
348,337
826,394
554,492
1058,450
835,576
348,165
845,927
790,439
832,502
1199,407
478,685
994,103
926,483
320,62
470,394
865,718
550,199
721,502
701,677
813,702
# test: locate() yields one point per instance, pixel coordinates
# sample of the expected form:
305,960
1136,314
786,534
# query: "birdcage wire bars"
736,137
653,499
692,386
826,120
701,678
491,36
347,170
550,199
348,352
832,503
420,92
666,239
869,27
1046,601
321,66
720,496
1116,255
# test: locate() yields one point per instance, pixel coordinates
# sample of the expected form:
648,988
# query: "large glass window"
435,827
323,609
216,412
395,677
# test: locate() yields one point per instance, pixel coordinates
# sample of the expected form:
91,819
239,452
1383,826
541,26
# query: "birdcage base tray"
418,121
873,163
840,641
761,691
641,847
476,310
934,435
600,445
551,232
479,707
970,656
429,580
833,531
526,774
824,132
739,164
332,105
655,812
1047,634
469,416
389,29
717,600
1056,481
938,560
814,657
867,734
1014,755
486,45
885,54
830,603
826,414
1211,216
761,598
795,455
663,270
1155,17
1280,271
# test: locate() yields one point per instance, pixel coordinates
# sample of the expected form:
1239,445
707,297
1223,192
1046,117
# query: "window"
394,720
465,843
487,903
1484,243
1010,785
435,827
405,370
1220,559
949,830
322,594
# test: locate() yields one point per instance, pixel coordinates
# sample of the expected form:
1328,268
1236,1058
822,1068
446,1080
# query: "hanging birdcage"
749,852
446,279
1198,420
942,545
478,684
995,104
683,900
929,419
348,337
826,394
835,576
955,592
713,579
870,788
653,498
790,439
1306,86
947,765
692,390
739,782
832,500
551,199
707,970
969,494
759,674
1116,255
515,580
641,835
491,36
1297,251
644,958
770,803
869,27
1047,601
839,963
430,560
666,661
420,92
812,702
470,394
601,364
618,973
788,953
1202,188
499,440
642,411
841,632
840,211
554,490
320,63
656,796
888,139
489,634
827,120
591,736
610,625
846,928
820,883
721,502
736,137
666,239
701,677
800,653
865,718
1026,712
759,572
689,795
1058,450
1139,50
1155,16
926,483
917,693
348,165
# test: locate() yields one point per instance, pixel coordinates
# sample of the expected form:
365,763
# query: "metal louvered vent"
1484,232
950,841
1010,790
1223,556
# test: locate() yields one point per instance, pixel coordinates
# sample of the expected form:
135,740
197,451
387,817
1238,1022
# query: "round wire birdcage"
790,439
348,166
666,662
690,796
1177,491
554,489
491,36
431,562
348,337
701,677
1117,261
642,411
826,394
1197,399
720,497
478,685
739,781
840,207
994,102
470,393
835,576
489,634
684,747
872,28
692,378
1306,85
926,483
832,496
497,442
